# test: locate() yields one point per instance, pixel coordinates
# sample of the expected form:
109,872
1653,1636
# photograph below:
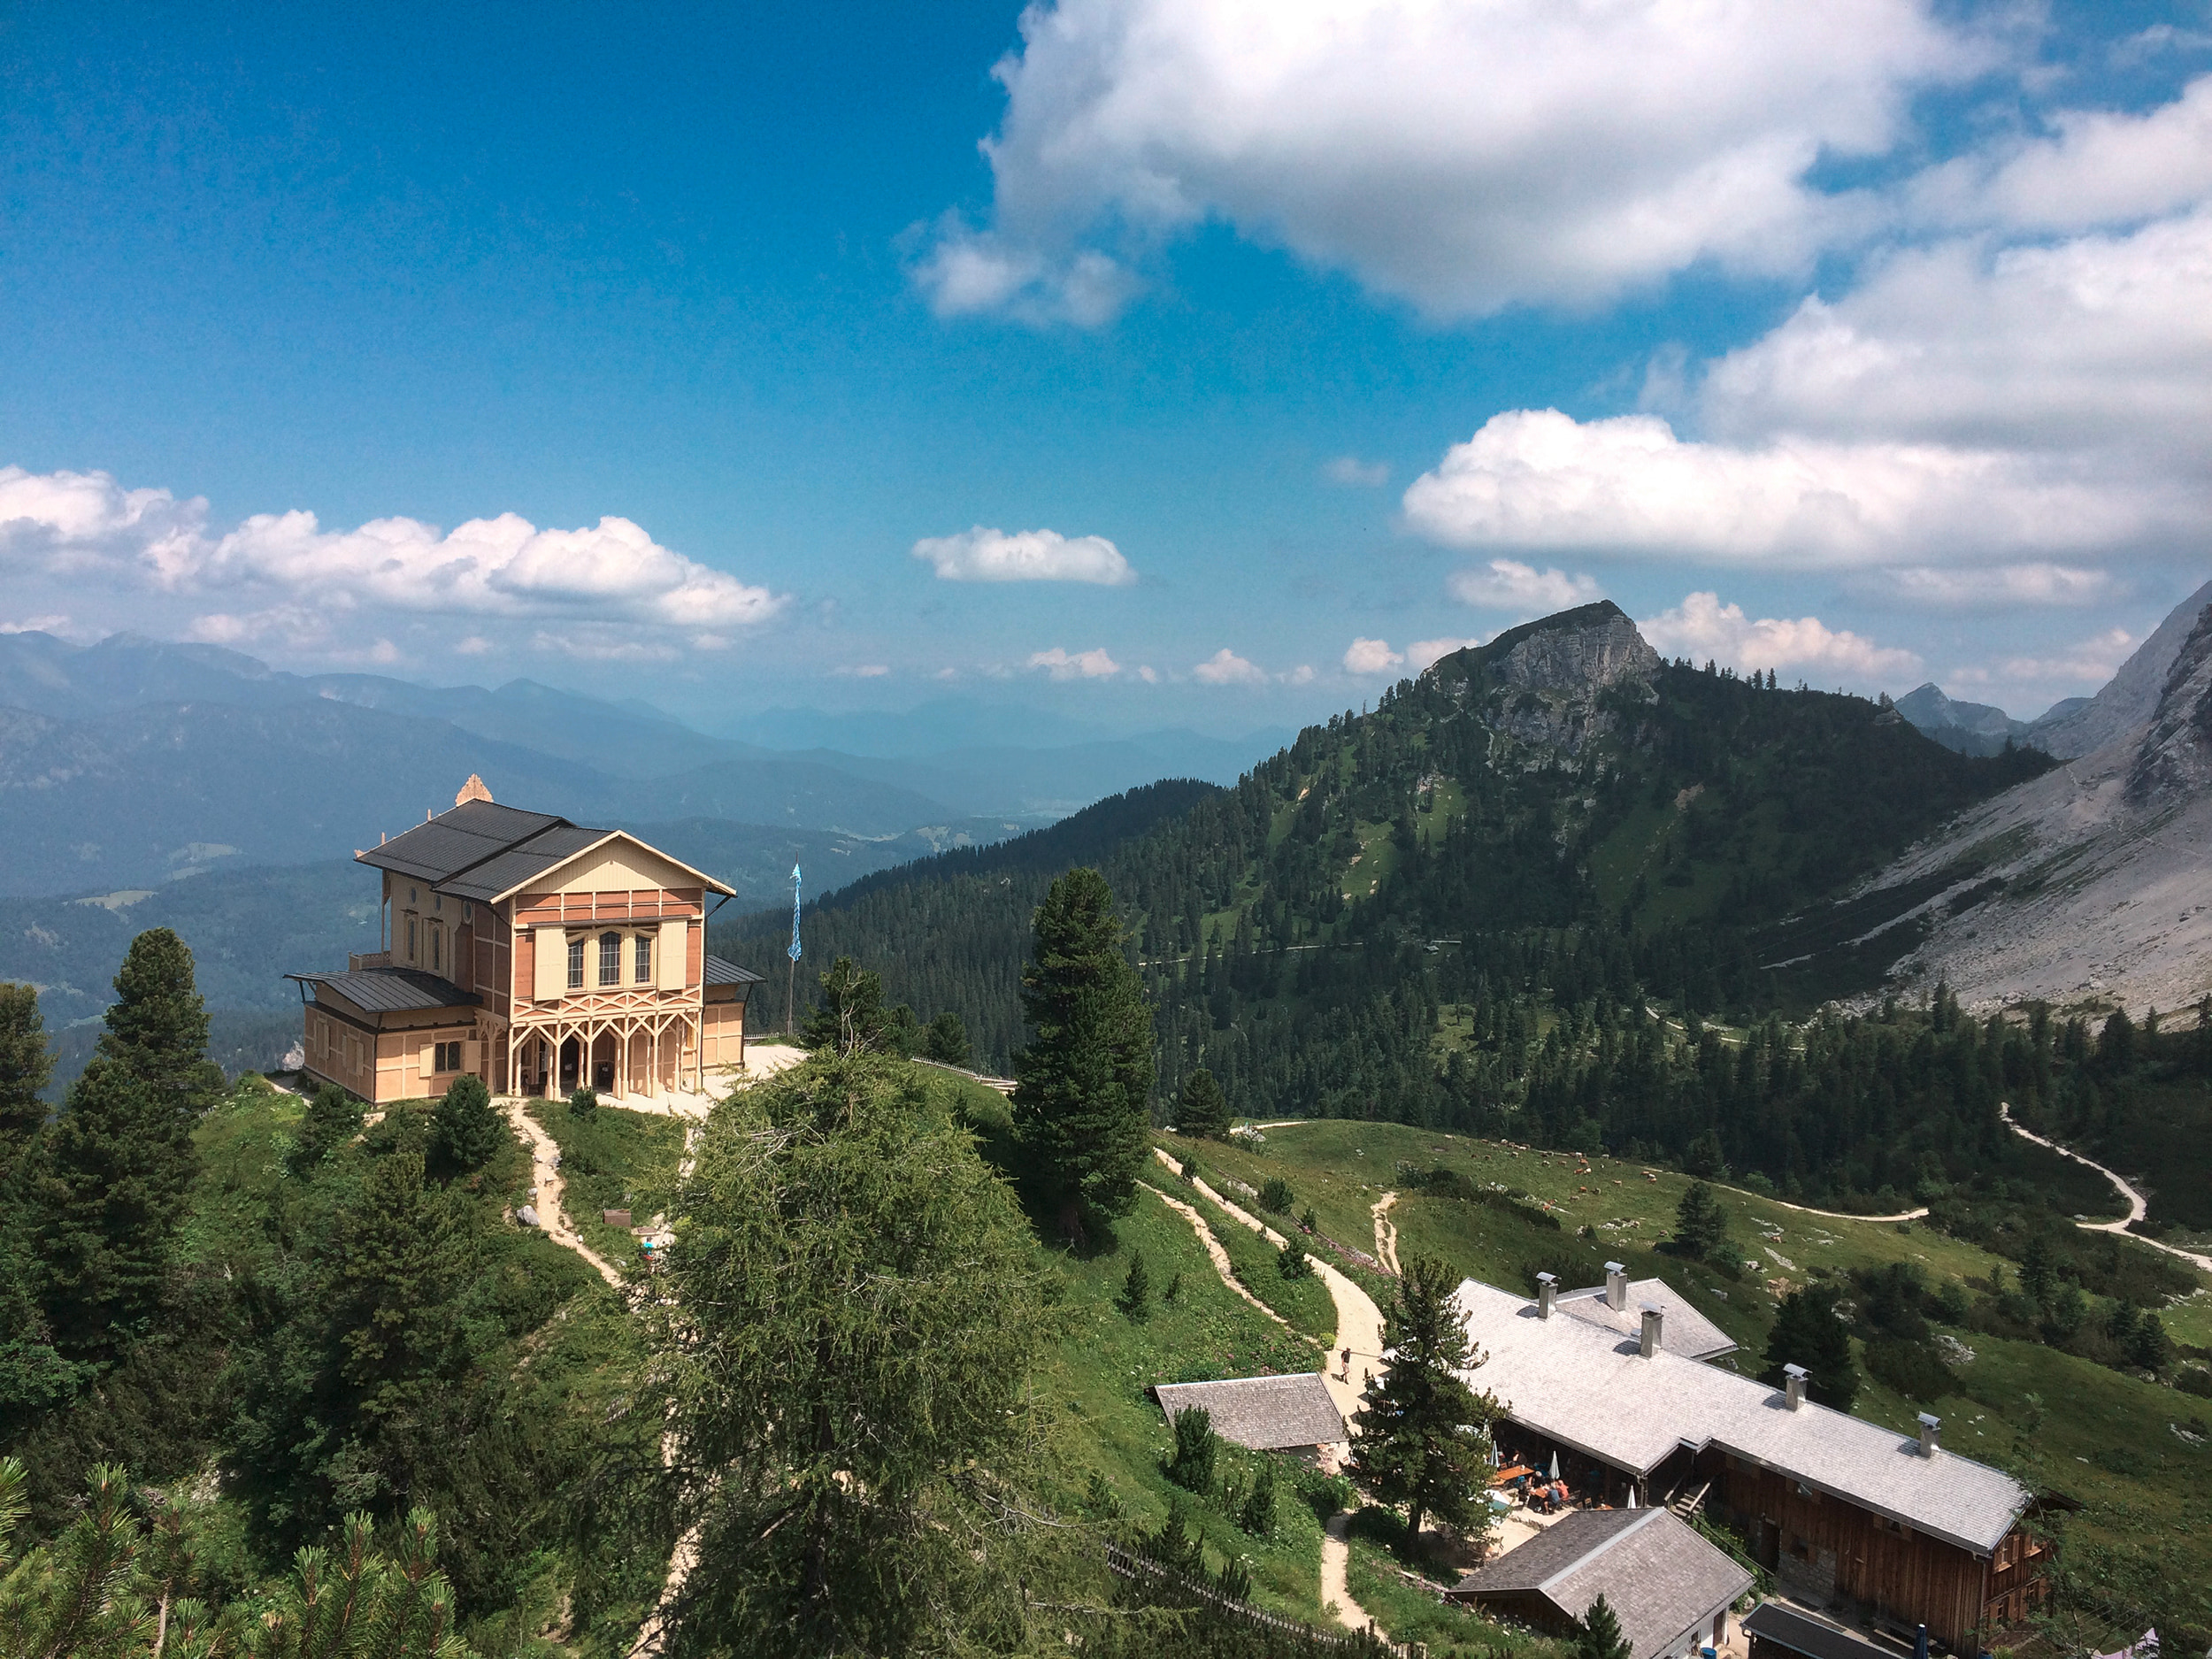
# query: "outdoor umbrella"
1554,1465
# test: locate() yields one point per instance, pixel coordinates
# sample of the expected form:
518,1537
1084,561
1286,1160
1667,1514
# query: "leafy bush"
1910,1368
583,1103
1292,1262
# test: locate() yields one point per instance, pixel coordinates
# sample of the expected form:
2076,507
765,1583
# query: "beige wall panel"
551,949
672,956
621,866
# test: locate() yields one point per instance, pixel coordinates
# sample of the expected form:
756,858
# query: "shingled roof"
483,851
1663,1581
1588,1387
1268,1414
1684,1331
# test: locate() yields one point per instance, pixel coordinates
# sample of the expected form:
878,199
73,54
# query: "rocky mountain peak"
2174,756
1571,652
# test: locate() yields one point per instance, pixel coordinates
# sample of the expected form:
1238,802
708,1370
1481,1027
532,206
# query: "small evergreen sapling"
1136,1300
1275,1196
1598,1633
583,1103
1292,1262
465,1131
1256,1516
1196,1447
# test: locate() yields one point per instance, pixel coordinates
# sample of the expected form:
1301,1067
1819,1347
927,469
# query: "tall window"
644,973
610,958
412,945
576,963
437,947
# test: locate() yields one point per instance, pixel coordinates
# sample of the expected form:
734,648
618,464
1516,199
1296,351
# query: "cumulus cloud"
1424,654
1628,485
2084,666
1462,158
1061,665
1371,656
1962,589
1224,667
1349,469
54,622
984,555
1508,585
1701,627
295,575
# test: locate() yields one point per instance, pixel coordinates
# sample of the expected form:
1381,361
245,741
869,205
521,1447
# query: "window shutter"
472,1056
429,1060
674,950
552,964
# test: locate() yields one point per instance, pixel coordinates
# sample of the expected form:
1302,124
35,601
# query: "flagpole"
791,980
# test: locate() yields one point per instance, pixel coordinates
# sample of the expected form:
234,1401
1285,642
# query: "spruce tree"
946,1041
1808,1333
1136,1289
104,1192
157,1027
465,1131
1412,1445
1598,1633
1701,1225
1081,1104
1201,1109
25,1066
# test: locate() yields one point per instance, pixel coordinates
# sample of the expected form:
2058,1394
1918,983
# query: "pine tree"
25,1066
855,1310
1081,1105
2039,1274
105,1190
1598,1633
848,1016
1136,1300
1201,1109
946,1041
1701,1225
1808,1333
465,1131
157,1027
332,1117
1412,1444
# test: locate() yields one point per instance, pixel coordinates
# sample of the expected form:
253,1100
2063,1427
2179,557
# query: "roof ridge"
1601,1546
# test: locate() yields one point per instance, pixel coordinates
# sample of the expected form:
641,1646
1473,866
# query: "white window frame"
576,962
641,960
609,960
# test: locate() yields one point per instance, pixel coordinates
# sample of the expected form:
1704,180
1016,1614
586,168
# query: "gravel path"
2138,1205
546,1177
1385,1235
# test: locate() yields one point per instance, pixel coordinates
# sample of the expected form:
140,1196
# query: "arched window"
644,974
576,962
610,958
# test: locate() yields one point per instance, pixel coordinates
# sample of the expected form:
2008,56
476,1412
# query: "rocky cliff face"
2132,696
1540,684
2174,756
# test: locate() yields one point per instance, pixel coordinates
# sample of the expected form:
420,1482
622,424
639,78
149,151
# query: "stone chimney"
1794,1385
1654,1317
1547,1293
1616,1287
1931,1436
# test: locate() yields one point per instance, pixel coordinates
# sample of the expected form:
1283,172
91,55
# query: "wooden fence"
1142,1569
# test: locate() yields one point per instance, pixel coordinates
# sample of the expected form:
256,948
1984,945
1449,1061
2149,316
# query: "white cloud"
473,645
2084,666
1371,656
1701,627
63,524
1301,675
53,624
1539,479
864,671
596,645
1462,158
1351,470
1421,655
1224,667
1935,588
1148,674
984,555
1508,585
1061,665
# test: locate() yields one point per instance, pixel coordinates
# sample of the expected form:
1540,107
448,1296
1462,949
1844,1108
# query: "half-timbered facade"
540,955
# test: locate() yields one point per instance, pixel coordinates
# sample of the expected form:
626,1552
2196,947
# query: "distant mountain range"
130,762
1981,728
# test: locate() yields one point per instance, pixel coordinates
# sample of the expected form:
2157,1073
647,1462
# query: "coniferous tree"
848,1016
1201,1109
1701,1225
25,1066
103,1193
1136,1300
1808,1333
1081,1104
1598,1633
946,1041
157,1027
1413,1446
332,1117
854,1311
465,1131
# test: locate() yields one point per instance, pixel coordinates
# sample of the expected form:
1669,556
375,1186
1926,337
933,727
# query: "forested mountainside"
1459,909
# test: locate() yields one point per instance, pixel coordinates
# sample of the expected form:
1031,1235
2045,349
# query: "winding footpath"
2138,1205
545,1177
1359,1327
1385,1235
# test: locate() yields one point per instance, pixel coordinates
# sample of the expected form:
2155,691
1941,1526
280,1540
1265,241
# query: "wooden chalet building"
1840,1509
540,955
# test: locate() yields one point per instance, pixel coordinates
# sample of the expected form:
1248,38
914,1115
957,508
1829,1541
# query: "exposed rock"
526,1215
2174,756
1540,683
2132,698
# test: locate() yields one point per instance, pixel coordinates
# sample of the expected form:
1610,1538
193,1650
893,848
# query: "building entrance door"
572,1066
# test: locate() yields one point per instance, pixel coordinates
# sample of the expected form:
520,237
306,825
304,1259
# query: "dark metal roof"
510,869
458,839
1809,1636
721,972
391,990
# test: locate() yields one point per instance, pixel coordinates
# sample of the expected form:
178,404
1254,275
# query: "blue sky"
1266,349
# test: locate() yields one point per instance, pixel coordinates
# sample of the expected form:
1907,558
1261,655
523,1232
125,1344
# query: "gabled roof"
390,990
1663,1581
1684,1331
1587,1388
1266,1413
483,851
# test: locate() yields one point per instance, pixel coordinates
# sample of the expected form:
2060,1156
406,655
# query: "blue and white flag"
794,952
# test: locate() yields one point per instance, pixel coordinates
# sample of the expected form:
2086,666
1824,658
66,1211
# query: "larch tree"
854,1308
1084,1084
1413,1444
